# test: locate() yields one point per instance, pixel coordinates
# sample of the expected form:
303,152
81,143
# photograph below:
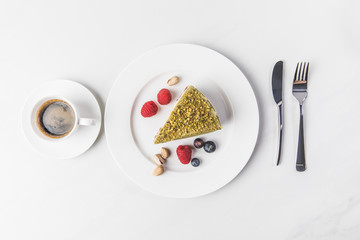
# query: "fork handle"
300,161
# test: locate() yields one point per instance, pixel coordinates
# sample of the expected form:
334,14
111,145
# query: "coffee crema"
55,118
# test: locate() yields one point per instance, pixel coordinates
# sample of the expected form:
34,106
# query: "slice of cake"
193,115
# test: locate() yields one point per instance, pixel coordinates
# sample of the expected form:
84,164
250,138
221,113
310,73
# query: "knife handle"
300,161
280,105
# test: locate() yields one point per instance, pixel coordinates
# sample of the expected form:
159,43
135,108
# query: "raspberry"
184,154
149,109
164,96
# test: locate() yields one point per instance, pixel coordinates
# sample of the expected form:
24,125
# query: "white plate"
87,106
130,136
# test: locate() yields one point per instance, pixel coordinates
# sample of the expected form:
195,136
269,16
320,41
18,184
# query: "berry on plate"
195,162
149,109
164,96
209,147
184,154
198,143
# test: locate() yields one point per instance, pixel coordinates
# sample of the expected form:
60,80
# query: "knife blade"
277,94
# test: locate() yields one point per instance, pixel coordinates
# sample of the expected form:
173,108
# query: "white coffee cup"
69,115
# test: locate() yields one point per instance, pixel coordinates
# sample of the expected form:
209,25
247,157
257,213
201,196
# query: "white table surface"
88,197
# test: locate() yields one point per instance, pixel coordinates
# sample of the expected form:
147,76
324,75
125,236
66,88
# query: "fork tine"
301,73
307,71
296,71
301,70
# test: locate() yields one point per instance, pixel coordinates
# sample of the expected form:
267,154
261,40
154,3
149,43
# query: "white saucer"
87,106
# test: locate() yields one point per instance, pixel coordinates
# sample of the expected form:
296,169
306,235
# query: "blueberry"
195,162
209,147
198,143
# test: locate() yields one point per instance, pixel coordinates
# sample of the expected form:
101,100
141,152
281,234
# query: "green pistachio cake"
193,115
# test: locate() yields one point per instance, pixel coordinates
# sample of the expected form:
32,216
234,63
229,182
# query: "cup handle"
87,121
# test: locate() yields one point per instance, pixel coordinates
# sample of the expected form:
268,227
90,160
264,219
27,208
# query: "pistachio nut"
165,153
158,170
158,159
173,80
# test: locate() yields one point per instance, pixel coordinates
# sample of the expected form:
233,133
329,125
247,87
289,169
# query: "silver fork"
300,93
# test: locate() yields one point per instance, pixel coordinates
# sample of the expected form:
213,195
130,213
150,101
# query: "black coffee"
58,118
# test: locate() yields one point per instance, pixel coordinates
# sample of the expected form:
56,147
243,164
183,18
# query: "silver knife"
277,93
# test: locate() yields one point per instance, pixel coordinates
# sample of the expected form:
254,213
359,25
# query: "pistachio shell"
173,80
158,159
165,153
158,170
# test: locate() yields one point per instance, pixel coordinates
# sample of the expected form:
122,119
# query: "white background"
88,197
